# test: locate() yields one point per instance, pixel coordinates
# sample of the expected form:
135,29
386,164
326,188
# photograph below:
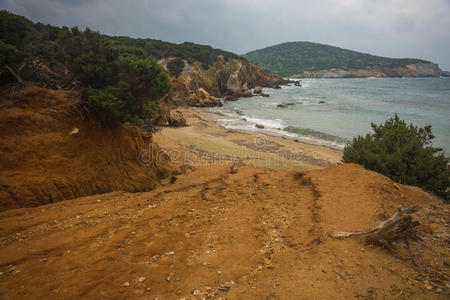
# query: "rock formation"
232,79
411,70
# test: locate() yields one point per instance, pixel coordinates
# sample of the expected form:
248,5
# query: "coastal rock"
257,89
425,70
259,126
176,119
285,105
264,95
230,98
276,87
200,87
247,94
203,94
412,70
234,85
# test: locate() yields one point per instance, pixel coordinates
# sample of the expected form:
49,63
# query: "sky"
392,28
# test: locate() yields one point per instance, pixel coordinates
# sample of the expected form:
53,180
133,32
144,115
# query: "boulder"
230,98
259,126
203,93
285,105
257,90
176,119
247,94
276,87
264,95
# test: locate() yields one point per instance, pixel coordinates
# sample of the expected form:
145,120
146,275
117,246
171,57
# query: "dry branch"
393,228
13,73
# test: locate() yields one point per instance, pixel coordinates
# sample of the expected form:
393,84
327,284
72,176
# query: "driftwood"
399,227
396,227
397,230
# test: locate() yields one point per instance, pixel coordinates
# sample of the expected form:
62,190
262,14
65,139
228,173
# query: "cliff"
411,70
197,86
50,150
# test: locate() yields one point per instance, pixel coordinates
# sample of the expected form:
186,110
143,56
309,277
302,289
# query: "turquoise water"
350,106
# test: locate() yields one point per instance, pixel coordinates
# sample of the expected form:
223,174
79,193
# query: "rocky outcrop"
425,70
234,78
257,90
176,119
411,70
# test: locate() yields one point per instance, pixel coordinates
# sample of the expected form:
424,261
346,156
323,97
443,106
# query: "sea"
331,112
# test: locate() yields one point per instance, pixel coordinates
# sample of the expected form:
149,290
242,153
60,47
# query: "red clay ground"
255,234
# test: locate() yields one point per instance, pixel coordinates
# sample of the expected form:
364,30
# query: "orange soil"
40,162
255,234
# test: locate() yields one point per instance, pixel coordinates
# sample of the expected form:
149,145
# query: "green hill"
296,57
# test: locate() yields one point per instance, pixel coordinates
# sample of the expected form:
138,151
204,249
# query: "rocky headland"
411,70
200,87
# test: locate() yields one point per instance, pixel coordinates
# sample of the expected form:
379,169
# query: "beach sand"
204,142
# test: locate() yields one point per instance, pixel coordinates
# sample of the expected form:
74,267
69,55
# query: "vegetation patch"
403,153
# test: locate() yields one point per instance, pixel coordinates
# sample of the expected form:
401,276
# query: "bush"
175,66
403,153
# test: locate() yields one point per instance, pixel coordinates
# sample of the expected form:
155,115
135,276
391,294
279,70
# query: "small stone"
170,253
224,288
11,268
219,272
126,284
141,279
428,286
196,292
75,131
168,278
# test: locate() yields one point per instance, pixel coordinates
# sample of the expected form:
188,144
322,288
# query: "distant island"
313,60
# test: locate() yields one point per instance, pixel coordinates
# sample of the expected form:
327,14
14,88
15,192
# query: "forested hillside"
296,57
119,76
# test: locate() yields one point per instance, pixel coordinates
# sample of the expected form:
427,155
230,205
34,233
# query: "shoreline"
266,130
206,142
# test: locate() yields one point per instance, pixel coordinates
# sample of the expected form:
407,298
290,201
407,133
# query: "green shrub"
403,153
175,66
104,101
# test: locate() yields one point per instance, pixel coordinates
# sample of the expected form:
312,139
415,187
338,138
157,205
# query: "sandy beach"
204,142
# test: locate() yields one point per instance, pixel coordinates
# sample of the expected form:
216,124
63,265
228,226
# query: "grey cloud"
397,28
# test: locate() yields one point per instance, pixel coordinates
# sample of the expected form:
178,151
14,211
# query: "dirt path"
256,234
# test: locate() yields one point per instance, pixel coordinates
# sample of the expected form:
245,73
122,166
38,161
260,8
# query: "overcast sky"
394,28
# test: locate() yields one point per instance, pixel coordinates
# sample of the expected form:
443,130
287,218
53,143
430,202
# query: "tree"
404,153
175,66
